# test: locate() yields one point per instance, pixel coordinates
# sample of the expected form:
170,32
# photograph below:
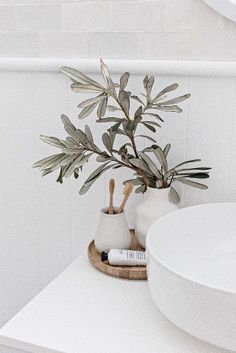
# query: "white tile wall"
86,16
185,15
7,18
19,44
37,18
145,16
117,45
63,44
172,29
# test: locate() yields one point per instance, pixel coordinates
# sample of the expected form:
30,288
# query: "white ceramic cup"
112,232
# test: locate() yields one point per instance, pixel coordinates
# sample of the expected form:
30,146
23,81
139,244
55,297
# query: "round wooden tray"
128,272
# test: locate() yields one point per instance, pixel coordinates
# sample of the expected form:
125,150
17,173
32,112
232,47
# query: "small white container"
112,232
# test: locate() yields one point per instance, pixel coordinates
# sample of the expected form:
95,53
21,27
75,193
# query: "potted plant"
149,165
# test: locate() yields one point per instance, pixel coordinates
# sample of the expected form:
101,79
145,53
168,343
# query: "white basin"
192,271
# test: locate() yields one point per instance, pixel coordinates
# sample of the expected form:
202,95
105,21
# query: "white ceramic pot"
112,232
155,205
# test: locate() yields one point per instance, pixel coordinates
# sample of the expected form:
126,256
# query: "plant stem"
137,170
132,140
134,145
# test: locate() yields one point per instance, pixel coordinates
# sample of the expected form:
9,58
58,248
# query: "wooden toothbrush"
111,191
126,192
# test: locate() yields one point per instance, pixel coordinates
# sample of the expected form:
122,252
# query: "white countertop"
85,311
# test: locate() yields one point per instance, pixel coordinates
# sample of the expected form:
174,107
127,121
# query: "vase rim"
158,189
154,192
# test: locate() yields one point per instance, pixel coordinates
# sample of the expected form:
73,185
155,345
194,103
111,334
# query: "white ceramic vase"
112,232
155,205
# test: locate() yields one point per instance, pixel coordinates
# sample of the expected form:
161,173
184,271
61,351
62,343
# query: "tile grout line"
67,91
227,190
186,142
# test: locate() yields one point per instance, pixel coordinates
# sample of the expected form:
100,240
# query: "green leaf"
124,101
92,100
82,136
47,171
168,108
187,162
197,168
197,175
116,126
104,70
145,81
167,149
87,110
130,126
150,122
150,127
166,90
107,141
174,196
136,98
150,164
149,149
72,151
156,116
147,137
111,87
78,76
93,177
89,134
123,148
138,113
112,108
149,87
117,166
67,160
78,162
72,132
54,141
161,158
101,111
59,179
176,100
50,164
78,88
120,132
66,121
76,175
124,80
53,165
102,158
194,184
62,174
109,119
141,189
139,163
71,143
134,181
45,160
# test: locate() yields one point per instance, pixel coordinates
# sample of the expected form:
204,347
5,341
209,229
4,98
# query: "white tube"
121,257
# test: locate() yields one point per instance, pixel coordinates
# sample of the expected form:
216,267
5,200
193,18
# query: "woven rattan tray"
128,272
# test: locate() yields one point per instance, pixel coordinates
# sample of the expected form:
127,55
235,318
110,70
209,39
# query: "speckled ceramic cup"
112,232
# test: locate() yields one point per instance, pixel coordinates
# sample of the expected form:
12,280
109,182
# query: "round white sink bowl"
192,271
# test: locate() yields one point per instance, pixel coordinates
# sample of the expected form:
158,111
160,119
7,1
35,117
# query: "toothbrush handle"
110,210
122,206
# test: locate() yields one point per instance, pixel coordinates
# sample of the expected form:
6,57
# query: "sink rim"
171,269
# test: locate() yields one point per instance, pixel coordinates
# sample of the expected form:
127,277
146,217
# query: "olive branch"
79,146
